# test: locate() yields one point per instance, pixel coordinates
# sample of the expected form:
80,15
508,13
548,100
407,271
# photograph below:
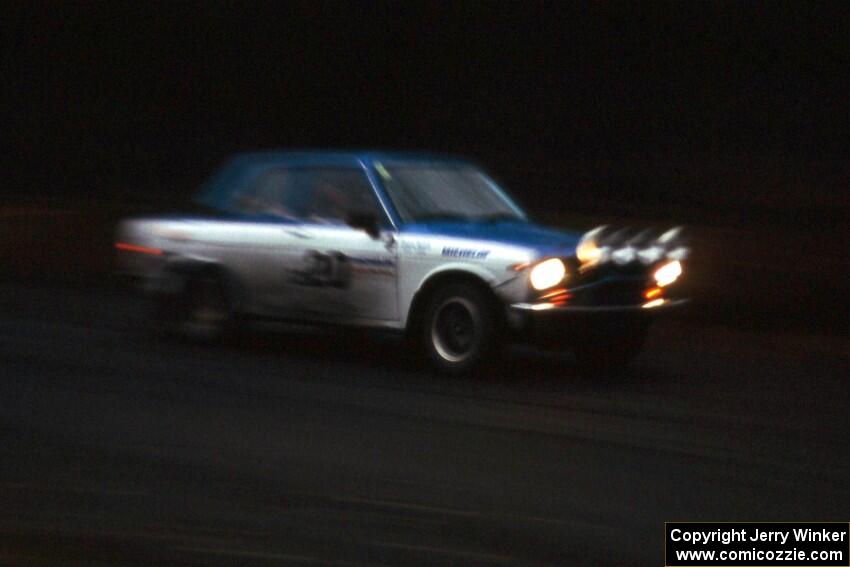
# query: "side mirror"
366,222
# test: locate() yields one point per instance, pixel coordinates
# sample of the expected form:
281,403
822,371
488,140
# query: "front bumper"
648,307
569,325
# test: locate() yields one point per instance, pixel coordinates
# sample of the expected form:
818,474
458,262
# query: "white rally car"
422,244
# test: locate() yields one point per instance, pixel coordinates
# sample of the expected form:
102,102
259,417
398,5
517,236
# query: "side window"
334,194
273,194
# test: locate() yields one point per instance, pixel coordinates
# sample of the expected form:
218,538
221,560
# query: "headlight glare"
668,273
588,252
547,273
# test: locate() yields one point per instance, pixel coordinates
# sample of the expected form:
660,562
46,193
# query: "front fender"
477,270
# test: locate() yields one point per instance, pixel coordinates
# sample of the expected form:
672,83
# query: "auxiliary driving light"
588,252
547,273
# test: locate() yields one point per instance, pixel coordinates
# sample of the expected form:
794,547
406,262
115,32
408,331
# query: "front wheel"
459,330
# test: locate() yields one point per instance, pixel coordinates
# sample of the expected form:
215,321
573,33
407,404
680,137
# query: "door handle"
296,233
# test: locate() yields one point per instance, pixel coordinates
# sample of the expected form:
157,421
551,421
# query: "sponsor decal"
374,262
470,253
373,265
334,269
323,270
383,171
415,247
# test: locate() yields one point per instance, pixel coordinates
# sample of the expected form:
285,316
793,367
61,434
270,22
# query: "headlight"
547,273
668,273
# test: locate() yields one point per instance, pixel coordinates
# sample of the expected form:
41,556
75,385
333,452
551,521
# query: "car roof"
340,157
239,168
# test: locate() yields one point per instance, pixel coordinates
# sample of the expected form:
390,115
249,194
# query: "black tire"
459,332
612,354
201,312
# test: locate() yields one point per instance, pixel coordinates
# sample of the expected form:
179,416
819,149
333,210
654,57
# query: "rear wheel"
201,312
459,329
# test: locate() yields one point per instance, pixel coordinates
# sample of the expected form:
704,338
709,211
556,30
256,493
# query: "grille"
622,292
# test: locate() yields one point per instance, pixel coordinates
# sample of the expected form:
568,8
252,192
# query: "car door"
263,240
345,274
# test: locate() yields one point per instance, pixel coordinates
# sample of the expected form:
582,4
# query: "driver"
330,204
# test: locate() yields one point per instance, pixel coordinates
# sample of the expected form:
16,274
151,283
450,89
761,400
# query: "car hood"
543,240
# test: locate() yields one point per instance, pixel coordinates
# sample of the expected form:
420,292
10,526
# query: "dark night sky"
111,96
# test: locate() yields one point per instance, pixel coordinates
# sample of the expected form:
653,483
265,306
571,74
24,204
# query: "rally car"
426,245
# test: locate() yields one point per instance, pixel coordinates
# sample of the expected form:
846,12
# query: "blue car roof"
238,168
315,157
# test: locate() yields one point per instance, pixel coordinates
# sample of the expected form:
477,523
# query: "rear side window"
334,194
274,193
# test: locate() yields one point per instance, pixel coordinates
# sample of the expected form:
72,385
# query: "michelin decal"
468,253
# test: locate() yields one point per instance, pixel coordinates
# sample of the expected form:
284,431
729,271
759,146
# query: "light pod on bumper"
547,273
588,250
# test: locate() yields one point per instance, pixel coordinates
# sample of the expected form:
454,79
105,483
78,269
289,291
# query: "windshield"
446,192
